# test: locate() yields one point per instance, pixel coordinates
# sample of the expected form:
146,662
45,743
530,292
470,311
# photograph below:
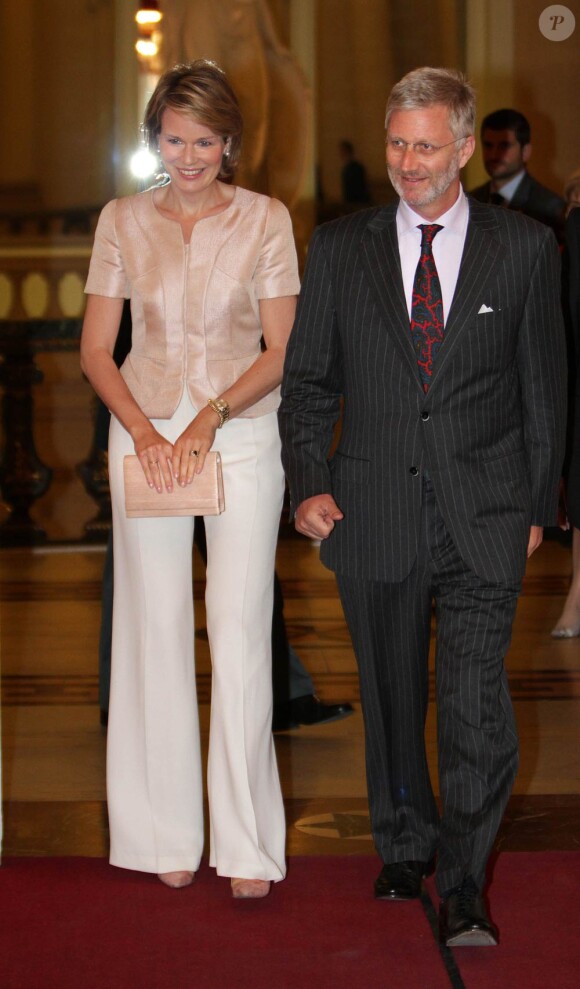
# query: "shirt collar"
508,190
454,220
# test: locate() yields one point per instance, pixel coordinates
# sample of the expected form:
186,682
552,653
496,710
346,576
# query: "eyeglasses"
423,149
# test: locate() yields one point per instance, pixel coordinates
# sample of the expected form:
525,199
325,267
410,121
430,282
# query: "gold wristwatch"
221,408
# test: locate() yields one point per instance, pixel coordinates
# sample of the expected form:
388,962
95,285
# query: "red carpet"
80,923
534,901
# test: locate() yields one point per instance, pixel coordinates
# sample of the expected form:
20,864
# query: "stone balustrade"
41,307
43,280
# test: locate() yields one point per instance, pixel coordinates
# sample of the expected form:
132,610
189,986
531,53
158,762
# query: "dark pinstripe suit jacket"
489,431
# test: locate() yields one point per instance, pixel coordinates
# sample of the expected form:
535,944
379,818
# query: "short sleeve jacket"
194,307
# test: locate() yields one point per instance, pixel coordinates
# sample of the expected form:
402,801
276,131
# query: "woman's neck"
194,206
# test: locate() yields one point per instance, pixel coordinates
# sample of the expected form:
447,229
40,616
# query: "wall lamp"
148,18
148,13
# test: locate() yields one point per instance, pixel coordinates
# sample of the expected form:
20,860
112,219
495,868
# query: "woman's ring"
194,453
153,463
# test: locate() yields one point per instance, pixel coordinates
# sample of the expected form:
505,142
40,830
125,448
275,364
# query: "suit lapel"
482,252
380,257
382,263
522,193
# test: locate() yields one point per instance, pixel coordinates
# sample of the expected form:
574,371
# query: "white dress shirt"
447,247
508,190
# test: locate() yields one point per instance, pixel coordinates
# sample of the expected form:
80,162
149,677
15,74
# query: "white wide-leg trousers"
154,774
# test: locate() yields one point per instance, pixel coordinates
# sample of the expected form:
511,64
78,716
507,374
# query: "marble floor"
54,746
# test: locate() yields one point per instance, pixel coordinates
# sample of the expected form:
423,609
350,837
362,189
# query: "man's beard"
439,183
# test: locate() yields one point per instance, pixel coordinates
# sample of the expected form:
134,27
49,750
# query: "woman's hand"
155,453
190,449
100,330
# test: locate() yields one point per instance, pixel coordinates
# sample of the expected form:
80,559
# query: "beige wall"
546,89
17,93
364,46
75,105
354,69
57,104
512,64
66,71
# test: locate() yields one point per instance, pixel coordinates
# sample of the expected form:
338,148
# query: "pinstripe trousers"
476,733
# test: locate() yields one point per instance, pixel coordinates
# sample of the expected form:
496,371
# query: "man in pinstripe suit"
439,487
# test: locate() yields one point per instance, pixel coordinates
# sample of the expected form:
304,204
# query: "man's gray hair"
427,87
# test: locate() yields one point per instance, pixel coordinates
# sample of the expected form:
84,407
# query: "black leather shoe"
308,710
401,880
463,919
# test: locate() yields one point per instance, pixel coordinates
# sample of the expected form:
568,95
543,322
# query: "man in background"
353,177
506,149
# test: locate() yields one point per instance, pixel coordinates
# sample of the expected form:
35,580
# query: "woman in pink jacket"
211,272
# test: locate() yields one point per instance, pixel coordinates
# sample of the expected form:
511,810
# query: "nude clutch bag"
204,496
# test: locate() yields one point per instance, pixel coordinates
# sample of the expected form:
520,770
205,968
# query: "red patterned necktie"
427,306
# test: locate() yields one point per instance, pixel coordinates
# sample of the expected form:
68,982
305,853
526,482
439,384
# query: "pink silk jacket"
194,307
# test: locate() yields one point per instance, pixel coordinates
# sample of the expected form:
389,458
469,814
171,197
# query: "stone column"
126,88
489,63
303,47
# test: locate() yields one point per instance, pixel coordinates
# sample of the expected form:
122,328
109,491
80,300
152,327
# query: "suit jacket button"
424,416
414,471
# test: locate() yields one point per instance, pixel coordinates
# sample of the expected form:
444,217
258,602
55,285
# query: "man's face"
503,155
424,159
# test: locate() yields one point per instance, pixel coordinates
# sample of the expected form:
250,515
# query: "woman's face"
191,153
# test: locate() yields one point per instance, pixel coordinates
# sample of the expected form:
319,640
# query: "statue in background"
275,99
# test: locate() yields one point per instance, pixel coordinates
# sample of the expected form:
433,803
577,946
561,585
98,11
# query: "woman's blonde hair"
202,89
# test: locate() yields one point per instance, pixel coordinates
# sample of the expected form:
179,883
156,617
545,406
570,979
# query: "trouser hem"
155,864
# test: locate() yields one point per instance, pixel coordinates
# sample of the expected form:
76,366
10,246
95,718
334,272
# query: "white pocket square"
484,309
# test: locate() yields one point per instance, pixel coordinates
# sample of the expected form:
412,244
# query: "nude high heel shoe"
250,889
176,880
